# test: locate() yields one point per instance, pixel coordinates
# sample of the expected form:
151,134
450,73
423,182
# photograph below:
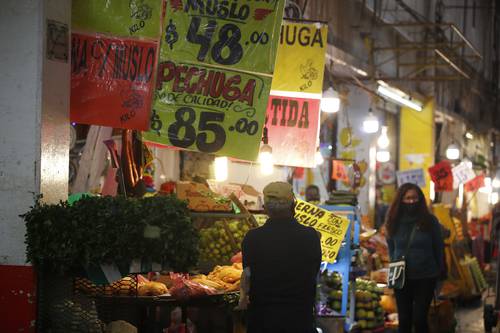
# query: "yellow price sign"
332,227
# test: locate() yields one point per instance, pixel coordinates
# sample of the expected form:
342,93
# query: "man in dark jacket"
281,261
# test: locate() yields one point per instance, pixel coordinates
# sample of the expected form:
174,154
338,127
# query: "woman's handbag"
396,276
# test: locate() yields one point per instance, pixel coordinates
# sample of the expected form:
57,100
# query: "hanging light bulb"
487,186
266,156
330,101
383,140
266,159
318,158
221,167
370,124
383,156
453,152
494,198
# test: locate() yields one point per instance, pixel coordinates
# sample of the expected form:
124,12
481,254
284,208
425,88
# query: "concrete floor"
470,319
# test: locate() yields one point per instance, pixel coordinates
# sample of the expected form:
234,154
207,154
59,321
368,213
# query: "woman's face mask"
410,208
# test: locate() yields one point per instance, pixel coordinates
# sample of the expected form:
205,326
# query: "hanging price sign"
475,184
214,76
339,171
209,110
414,176
235,34
112,81
442,176
132,18
332,227
462,173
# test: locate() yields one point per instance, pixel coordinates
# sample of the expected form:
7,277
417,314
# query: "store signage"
474,184
339,171
214,76
112,81
240,35
301,59
332,227
442,176
132,18
294,106
462,173
414,176
293,130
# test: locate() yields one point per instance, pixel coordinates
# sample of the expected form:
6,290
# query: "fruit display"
369,311
221,239
474,277
332,288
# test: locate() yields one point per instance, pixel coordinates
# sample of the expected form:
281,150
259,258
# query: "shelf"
219,215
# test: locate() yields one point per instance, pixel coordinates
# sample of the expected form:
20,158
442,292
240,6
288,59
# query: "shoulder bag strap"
410,239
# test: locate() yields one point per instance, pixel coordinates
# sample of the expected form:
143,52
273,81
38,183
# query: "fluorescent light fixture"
383,140
266,160
395,95
371,124
453,152
469,135
220,168
330,101
383,156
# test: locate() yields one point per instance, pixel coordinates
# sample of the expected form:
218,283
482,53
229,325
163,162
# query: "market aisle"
470,318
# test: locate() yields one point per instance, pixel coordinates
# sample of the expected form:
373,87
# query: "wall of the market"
34,109
360,147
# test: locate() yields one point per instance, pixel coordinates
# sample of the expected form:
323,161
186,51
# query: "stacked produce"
369,312
473,274
221,240
332,285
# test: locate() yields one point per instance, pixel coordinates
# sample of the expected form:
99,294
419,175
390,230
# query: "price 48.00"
183,134
227,50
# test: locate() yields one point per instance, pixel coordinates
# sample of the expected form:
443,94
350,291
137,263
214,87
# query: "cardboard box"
201,199
246,194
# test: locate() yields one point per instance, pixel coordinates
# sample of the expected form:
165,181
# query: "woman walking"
415,234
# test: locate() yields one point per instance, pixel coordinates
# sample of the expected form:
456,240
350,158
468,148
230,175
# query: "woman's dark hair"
422,213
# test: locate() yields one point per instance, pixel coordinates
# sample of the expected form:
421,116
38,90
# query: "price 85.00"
183,134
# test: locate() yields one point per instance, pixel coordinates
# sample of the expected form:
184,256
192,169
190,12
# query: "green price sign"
236,34
207,109
120,18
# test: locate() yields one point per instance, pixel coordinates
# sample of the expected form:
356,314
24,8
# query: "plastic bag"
183,289
237,258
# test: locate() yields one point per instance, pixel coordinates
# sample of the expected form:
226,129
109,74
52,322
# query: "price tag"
332,227
132,18
234,34
208,109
